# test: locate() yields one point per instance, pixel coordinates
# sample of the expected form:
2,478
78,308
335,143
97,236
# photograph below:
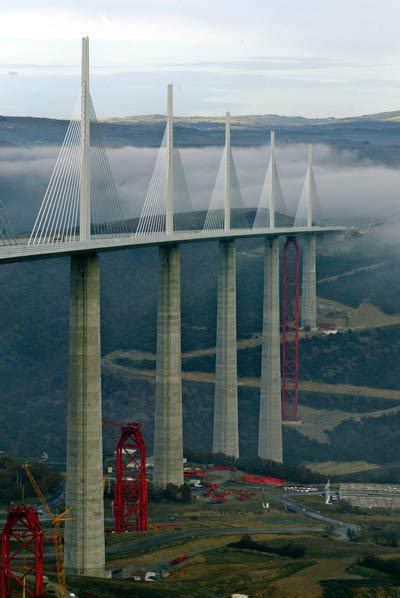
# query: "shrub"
293,551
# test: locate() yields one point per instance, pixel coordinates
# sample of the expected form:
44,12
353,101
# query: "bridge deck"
23,252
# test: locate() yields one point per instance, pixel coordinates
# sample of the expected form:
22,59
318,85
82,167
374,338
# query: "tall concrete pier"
168,437
270,422
226,434
168,452
308,312
84,535
226,431
309,284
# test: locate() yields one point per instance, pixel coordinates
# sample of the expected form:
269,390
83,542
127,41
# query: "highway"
341,526
23,252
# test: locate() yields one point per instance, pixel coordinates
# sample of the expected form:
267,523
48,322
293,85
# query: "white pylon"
272,190
271,200
309,191
84,211
169,188
227,191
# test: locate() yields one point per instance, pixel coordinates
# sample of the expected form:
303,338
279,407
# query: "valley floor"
203,533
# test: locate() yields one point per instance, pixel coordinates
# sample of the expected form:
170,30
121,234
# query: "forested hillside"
33,346
363,269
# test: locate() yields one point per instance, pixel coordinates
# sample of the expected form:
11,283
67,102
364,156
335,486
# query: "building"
385,496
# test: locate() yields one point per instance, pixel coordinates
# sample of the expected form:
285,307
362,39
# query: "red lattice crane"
22,553
290,331
131,487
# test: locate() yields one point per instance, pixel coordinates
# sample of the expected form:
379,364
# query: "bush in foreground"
293,551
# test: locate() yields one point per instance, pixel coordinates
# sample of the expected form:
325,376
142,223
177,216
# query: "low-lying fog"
350,191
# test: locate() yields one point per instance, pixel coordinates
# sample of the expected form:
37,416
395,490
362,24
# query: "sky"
312,58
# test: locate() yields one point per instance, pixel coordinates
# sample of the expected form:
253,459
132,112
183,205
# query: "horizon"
215,117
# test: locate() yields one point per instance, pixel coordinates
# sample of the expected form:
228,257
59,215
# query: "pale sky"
291,57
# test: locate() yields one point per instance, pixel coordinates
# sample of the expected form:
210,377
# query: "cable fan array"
153,216
215,218
7,236
309,187
59,214
271,198
58,217
108,217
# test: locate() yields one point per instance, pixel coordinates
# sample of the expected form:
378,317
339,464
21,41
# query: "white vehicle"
196,483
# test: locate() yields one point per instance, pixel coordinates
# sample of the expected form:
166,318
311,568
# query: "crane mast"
56,520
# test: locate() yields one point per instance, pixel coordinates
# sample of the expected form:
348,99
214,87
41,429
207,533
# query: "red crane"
131,487
290,331
22,553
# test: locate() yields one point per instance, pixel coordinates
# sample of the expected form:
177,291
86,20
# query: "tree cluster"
14,483
171,493
293,551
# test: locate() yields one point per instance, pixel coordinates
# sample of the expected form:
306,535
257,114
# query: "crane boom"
56,520
38,491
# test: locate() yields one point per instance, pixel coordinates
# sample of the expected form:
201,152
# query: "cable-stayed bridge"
81,209
81,216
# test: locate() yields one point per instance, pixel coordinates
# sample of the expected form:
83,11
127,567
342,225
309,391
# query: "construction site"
25,543
192,540
32,558
133,511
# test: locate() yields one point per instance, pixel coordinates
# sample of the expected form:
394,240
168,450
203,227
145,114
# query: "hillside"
348,382
263,120
375,139
33,350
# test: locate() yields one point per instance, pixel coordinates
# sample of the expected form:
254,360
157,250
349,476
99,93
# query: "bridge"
80,217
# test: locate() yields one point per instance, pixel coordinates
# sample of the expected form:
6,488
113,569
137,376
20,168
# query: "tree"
353,534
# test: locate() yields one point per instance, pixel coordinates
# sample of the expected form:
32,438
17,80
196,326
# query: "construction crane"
131,487
56,520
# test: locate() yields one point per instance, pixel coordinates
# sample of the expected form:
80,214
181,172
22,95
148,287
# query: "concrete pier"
84,536
168,450
309,284
270,422
226,434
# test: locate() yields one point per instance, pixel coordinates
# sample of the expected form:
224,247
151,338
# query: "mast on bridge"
227,191
271,199
84,211
310,189
169,194
272,191
309,279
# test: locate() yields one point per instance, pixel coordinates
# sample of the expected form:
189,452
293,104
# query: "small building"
371,496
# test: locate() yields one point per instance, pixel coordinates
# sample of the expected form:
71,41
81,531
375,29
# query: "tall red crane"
131,487
290,330
22,553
